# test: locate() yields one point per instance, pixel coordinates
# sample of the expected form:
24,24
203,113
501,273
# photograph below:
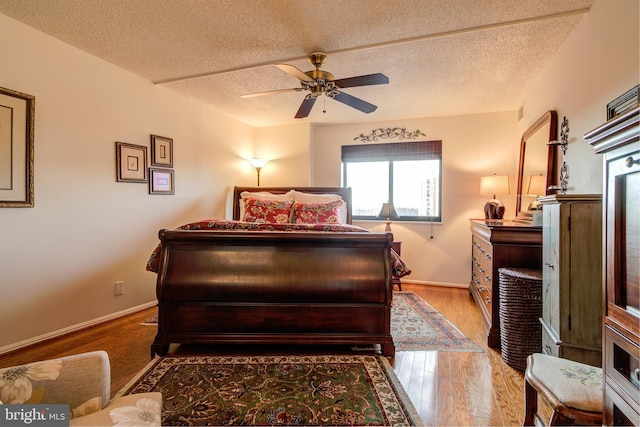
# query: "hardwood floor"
447,388
457,388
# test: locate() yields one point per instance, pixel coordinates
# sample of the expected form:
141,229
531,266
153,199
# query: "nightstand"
397,247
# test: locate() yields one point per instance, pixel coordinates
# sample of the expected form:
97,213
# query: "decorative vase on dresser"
496,244
572,277
619,141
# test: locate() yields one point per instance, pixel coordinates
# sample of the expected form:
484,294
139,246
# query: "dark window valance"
415,150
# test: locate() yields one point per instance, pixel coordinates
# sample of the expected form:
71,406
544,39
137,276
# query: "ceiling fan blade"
369,79
305,107
354,102
271,92
295,72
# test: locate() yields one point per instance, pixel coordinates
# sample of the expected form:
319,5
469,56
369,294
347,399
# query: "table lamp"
494,184
388,212
536,186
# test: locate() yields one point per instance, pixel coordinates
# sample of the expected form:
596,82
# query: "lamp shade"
258,163
536,185
388,211
494,184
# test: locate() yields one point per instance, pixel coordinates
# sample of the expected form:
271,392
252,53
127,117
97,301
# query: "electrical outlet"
119,288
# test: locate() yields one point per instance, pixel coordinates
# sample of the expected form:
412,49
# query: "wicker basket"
520,311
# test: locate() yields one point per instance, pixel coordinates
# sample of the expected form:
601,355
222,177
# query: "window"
409,174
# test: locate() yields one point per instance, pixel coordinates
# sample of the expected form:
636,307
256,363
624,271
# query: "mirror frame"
549,118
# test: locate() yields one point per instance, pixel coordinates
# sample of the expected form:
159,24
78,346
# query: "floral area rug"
338,390
417,326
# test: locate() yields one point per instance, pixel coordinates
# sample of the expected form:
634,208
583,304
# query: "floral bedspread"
399,268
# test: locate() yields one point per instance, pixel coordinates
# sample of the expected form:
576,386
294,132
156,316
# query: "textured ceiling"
442,57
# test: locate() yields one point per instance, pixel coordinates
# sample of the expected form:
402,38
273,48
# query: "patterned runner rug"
338,390
417,326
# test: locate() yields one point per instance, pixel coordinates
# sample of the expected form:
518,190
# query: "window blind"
415,150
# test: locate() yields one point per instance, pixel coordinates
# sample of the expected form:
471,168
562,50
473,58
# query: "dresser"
618,140
496,244
572,277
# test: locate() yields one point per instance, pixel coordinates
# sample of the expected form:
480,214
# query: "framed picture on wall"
16,149
161,181
161,151
131,162
625,102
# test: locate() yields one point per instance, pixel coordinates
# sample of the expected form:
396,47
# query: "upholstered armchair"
83,382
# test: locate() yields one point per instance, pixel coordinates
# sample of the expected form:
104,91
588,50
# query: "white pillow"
262,195
299,196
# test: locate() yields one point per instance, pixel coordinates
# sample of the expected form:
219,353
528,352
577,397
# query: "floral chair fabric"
83,382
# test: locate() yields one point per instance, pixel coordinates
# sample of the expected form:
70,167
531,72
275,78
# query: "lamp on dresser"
492,185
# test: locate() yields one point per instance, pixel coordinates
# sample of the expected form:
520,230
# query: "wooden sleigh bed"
263,283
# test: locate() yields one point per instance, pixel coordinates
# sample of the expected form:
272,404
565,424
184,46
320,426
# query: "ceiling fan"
319,82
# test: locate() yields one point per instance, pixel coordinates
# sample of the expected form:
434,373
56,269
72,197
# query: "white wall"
59,260
598,63
287,149
472,146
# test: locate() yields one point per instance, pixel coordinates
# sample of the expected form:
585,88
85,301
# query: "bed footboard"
274,288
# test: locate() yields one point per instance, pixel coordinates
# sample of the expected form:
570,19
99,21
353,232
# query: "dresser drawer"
485,296
482,249
481,278
622,364
483,291
482,255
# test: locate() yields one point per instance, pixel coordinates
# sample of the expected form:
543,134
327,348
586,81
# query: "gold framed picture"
17,112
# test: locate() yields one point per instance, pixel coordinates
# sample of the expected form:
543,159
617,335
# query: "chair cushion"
141,409
81,380
574,384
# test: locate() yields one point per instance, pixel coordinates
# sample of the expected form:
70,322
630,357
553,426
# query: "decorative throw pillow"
261,195
301,197
314,213
273,211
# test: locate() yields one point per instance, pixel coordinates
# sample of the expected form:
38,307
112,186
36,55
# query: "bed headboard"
344,192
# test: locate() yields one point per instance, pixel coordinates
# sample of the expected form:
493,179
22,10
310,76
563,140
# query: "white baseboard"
443,284
74,328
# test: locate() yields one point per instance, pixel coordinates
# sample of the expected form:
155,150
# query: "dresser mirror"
537,167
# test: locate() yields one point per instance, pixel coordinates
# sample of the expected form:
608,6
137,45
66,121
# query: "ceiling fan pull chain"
324,108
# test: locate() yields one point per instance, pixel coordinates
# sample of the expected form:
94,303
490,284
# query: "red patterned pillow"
273,211
314,213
